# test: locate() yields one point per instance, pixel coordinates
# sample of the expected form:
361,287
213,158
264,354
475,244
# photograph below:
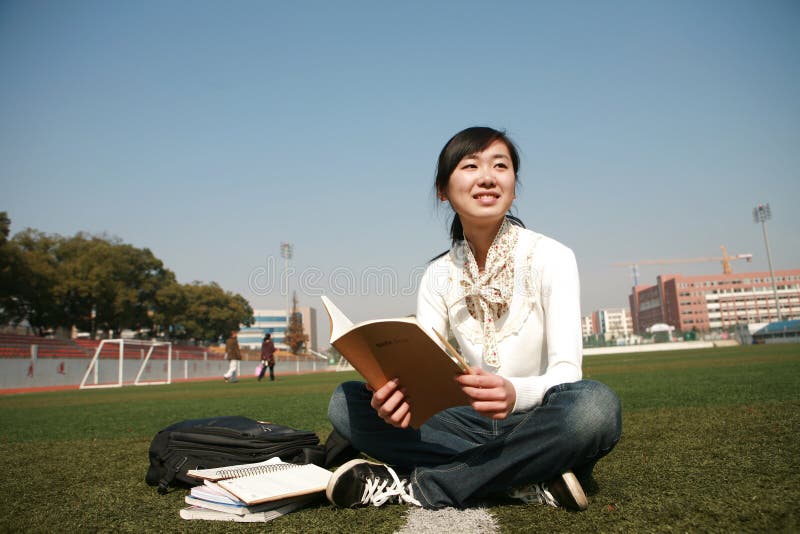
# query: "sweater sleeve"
562,324
431,308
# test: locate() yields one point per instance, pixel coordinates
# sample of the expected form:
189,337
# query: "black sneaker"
564,491
361,483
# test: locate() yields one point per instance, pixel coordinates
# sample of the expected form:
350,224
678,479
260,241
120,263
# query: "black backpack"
224,441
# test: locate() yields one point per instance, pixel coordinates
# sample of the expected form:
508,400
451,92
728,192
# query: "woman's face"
481,188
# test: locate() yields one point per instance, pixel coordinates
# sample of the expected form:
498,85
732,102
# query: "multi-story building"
587,326
715,302
610,325
615,324
274,322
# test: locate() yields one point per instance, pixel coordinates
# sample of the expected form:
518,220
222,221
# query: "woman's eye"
501,165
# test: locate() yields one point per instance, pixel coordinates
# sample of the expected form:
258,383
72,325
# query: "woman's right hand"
391,404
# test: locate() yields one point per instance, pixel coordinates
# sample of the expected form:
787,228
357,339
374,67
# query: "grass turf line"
708,445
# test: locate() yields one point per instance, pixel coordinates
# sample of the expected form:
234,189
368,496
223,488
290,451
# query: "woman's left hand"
492,395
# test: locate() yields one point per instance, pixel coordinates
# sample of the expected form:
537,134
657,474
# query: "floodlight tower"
287,250
761,214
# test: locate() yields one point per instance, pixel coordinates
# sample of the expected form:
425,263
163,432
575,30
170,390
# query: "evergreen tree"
295,338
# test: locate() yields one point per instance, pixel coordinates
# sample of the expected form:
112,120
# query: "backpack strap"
169,476
338,450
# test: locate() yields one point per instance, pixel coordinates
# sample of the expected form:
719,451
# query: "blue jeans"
459,455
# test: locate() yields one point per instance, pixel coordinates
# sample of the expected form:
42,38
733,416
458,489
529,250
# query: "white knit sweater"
539,339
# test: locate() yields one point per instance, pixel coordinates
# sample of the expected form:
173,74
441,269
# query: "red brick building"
715,302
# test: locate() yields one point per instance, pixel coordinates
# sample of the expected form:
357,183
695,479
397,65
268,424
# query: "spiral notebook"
268,481
220,473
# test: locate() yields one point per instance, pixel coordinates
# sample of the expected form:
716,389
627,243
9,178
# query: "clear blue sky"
209,132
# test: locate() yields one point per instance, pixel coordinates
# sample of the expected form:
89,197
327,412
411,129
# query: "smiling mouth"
482,196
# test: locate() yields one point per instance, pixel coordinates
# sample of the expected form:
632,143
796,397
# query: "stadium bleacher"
19,346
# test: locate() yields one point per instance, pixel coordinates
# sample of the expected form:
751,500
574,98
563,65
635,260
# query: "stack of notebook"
254,492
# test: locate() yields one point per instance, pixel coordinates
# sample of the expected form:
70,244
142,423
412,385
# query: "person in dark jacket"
267,358
232,353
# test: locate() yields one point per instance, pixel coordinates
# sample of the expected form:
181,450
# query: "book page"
339,322
214,494
289,482
219,473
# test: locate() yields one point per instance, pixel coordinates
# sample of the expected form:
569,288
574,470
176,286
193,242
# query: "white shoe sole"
575,489
338,473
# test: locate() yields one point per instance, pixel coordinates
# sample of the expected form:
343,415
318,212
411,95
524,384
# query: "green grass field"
709,445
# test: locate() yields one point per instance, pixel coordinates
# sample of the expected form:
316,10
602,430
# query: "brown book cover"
400,348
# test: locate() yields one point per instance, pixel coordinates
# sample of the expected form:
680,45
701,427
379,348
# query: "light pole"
287,250
93,315
761,214
150,314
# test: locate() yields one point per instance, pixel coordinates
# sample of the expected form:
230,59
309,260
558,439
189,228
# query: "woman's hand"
391,404
492,396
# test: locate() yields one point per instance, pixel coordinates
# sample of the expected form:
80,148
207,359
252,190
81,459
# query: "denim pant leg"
576,425
435,443
459,455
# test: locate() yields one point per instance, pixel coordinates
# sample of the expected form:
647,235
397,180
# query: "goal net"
123,362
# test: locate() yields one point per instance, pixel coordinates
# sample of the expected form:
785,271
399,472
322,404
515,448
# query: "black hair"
466,142
268,336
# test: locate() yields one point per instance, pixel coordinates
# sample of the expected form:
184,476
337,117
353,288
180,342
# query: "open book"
384,349
273,480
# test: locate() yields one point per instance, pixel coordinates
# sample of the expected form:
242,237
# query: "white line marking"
469,521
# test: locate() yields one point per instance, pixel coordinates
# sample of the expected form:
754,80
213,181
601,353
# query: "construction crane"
725,259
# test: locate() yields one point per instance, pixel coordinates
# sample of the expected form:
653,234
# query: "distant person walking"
267,358
232,353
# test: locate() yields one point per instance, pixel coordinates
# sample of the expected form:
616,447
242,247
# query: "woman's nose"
487,178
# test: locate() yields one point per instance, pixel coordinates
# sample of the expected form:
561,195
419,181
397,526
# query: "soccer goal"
107,368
